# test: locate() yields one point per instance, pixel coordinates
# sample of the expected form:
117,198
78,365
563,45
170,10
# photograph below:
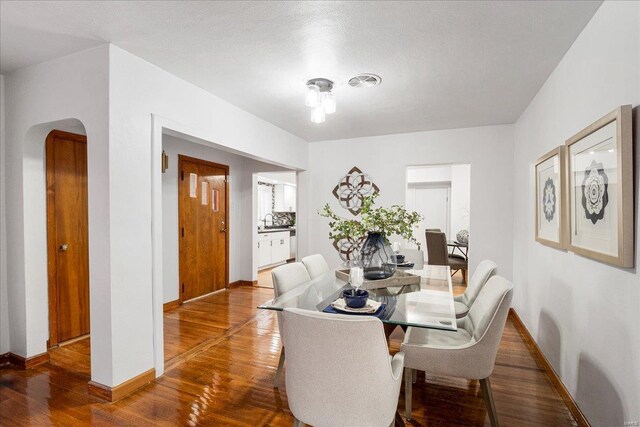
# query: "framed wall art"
550,203
600,190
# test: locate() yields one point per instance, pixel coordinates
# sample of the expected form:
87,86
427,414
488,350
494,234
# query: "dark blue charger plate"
378,313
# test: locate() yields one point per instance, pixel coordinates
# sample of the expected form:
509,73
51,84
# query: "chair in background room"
483,272
316,265
339,372
470,352
438,254
285,278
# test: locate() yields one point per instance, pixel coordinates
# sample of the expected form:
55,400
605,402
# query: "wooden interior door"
203,232
67,236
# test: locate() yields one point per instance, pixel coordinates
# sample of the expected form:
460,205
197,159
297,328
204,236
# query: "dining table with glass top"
428,304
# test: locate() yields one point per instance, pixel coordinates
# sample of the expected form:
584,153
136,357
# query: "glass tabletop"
427,305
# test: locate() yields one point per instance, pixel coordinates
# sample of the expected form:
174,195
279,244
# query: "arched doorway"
54,263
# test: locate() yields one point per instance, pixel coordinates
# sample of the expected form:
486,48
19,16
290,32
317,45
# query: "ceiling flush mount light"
365,80
320,98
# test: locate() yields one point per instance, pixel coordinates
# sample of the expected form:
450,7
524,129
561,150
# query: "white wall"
139,93
460,199
489,151
4,308
240,200
66,92
582,313
440,173
119,99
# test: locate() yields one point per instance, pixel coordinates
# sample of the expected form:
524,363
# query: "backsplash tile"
284,218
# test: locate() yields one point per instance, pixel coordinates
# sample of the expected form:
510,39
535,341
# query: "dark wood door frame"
181,158
52,248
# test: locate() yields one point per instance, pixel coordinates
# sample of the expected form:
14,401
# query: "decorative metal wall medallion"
549,199
352,189
595,196
348,249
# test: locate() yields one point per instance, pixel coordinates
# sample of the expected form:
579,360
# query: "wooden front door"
203,231
67,236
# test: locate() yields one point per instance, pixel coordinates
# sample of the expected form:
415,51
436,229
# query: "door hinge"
182,175
183,288
182,231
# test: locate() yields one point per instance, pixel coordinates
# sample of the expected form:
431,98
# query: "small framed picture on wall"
549,178
600,190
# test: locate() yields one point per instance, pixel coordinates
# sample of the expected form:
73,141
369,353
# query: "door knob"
64,247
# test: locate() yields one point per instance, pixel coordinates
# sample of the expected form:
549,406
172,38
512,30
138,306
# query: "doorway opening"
276,202
67,225
441,194
207,190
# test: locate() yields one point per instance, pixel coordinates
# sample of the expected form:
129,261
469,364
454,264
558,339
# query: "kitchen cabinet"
285,198
280,249
278,198
289,198
273,248
264,253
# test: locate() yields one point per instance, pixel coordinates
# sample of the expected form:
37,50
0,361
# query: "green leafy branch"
388,221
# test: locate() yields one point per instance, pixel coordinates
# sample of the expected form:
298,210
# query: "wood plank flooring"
264,278
227,380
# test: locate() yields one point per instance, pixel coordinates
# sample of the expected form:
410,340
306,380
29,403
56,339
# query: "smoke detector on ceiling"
365,80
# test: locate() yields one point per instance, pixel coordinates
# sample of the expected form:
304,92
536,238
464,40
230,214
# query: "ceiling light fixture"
320,98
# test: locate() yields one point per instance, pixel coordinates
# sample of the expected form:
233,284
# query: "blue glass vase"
378,259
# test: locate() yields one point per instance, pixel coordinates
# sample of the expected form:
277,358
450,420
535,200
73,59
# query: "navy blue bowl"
355,301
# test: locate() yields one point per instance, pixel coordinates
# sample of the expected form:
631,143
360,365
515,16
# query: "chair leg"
408,385
414,375
279,370
488,400
297,422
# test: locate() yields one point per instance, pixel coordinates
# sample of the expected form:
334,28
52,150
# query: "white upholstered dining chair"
285,278
339,372
482,273
316,265
470,352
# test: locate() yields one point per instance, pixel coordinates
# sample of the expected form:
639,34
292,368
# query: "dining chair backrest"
488,313
434,230
316,265
483,272
338,369
288,276
285,278
485,322
437,253
416,256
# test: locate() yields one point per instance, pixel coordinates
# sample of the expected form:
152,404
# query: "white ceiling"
278,177
443,64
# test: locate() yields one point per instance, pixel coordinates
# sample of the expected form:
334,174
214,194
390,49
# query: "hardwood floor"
264,278
74,356
227,380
